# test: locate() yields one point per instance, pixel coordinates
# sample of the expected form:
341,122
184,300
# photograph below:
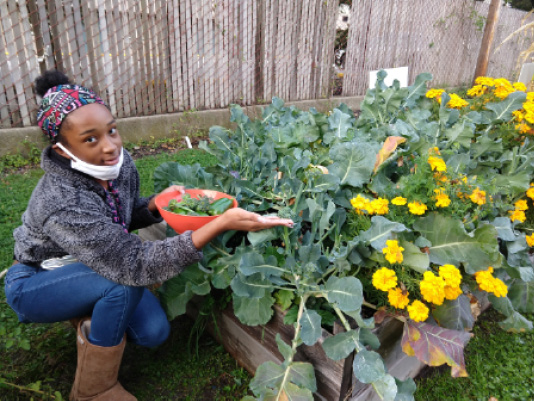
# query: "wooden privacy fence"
436,36
149,57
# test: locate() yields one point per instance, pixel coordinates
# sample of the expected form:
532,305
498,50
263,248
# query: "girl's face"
90,133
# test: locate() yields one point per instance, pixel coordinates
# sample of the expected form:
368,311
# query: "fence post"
487,38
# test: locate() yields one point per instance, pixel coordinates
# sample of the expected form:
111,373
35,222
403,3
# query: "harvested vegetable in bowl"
201,206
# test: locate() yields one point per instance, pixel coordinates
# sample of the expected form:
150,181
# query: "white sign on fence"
399,73
527,73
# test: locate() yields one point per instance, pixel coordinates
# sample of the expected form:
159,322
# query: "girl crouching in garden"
86,206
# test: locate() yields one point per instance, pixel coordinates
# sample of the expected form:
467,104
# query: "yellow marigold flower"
437,164
393,252
527,106
478,197
457,102
384,279
440,177
359,203
451,293
502,92
499,288
435,93
530,96
442,200
451,275
530,240
378,206
485,279
522,128
519,86
417,208
517,215
521,204
399,201
397,298
487,81
434,151
432,288
529,117
418,311
530,192
502,83
518,115
475,91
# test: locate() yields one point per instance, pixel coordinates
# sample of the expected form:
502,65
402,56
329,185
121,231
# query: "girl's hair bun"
48,80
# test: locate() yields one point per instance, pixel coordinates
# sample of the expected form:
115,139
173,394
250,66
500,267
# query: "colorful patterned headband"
58,102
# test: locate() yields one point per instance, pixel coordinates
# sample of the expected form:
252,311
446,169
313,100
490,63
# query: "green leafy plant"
453,242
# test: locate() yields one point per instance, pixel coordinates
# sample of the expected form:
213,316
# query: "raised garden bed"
251,346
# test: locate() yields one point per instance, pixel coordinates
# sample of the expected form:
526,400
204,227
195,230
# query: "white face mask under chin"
104,173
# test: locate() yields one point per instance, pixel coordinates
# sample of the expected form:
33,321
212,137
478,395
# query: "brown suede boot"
97,370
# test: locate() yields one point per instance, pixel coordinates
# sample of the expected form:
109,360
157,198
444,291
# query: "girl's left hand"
173,188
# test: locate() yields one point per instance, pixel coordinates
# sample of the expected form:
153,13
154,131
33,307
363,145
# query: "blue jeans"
46,296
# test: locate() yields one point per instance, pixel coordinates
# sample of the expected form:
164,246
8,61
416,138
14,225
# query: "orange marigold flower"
522,128
434,151
478,197
530,192
418,311
530,240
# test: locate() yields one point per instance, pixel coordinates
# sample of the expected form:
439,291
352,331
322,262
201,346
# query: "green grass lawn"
38,361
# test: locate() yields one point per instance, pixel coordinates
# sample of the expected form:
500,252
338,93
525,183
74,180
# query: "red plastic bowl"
181,223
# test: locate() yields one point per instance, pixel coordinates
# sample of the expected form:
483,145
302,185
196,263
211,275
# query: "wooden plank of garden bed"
251,346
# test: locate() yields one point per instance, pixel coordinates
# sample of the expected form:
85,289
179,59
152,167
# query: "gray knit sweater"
68,214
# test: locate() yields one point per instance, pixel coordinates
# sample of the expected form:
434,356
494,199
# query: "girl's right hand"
242,220
236,219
